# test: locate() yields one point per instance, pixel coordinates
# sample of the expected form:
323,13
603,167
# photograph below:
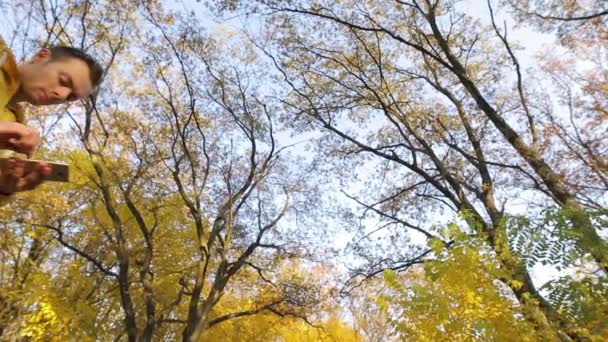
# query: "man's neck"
17,98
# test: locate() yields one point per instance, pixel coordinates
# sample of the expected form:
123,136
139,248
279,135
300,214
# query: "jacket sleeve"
9,83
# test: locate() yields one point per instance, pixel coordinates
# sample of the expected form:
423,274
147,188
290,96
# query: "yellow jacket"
9,84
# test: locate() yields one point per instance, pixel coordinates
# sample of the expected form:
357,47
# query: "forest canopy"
316,170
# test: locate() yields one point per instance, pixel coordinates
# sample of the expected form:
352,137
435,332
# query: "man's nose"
61,93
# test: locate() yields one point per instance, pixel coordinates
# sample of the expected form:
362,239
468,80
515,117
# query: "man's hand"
14,177
19,138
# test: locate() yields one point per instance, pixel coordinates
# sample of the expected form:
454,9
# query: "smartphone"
60,172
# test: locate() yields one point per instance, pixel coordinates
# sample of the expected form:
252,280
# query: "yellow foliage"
44,324
454,299
269,327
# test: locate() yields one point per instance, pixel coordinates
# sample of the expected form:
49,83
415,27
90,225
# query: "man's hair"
95,69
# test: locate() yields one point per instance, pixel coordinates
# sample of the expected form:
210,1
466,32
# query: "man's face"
48,81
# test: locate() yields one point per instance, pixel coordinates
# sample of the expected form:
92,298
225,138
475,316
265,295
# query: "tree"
576,22
578,83
179,188
420,68
190,216
434,303
429,39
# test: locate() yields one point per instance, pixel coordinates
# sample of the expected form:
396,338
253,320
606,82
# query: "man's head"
57,75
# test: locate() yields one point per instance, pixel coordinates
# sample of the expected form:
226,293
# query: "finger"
11,130
43,168
11,144
10,170
35,177
35,143
36,138
24,148
27,146
18,168
30,181
9,180
28,151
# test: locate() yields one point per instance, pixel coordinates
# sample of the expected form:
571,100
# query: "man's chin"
37,102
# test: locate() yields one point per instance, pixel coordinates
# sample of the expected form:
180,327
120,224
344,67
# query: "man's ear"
43,55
